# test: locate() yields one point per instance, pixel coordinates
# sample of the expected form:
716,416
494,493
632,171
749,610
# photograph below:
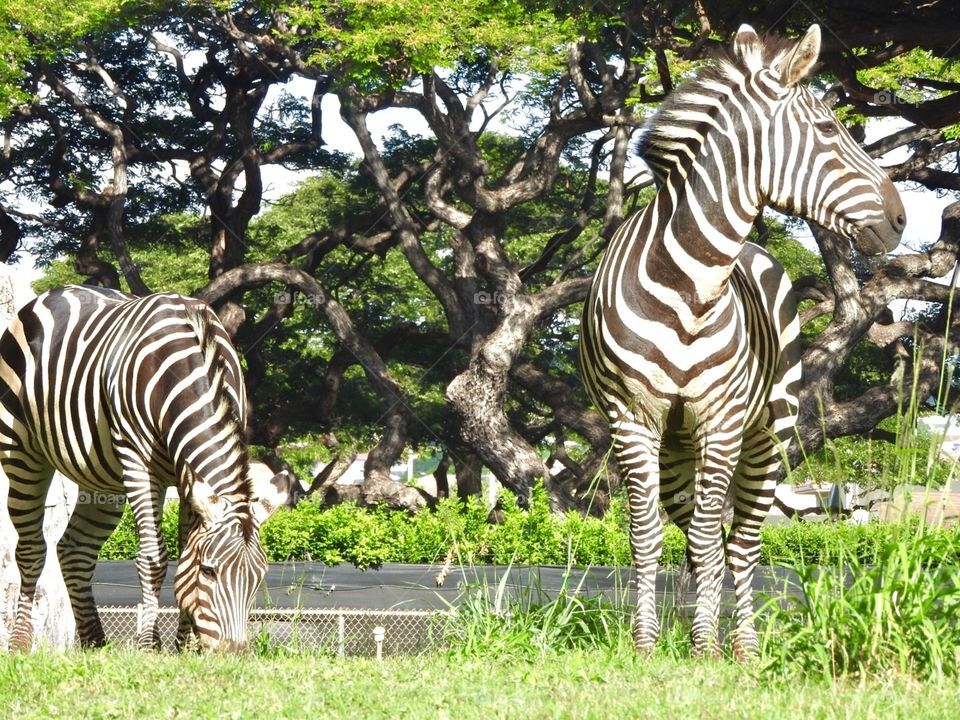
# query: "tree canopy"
427,292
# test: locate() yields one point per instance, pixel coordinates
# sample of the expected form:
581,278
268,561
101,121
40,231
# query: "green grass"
576,684
896,612
884,645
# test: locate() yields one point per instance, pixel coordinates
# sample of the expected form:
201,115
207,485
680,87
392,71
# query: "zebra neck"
220,463
700,220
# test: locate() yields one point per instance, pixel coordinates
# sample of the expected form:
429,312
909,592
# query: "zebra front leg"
186,637
637,453
29,483
93,519
705,554
146,501
705,541
755,484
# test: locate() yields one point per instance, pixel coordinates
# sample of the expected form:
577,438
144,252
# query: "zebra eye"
827,127
209,570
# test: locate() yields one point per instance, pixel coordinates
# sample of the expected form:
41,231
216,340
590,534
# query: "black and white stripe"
126,396
689,336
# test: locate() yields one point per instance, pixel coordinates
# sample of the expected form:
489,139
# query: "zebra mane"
215,369
673,134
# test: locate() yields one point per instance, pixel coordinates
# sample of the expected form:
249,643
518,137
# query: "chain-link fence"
337,631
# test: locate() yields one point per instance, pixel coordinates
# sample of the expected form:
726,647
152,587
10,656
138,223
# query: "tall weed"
526,621
897,613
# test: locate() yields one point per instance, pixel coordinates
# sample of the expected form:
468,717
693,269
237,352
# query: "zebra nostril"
900,221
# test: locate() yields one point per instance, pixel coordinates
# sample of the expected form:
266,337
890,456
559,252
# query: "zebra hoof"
149,641
705,647
745,650
21,642
644,643
93,642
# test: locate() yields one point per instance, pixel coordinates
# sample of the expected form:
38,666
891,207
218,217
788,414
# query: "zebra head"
809,164
222,563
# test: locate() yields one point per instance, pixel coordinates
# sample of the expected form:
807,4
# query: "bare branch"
406,228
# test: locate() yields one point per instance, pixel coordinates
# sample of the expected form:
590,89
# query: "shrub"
123,543
347,533
914,458
344,533
534,537
826,543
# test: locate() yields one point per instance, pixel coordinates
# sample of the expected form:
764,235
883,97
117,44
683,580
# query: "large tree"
126,118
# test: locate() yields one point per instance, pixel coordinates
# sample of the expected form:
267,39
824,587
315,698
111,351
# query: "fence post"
341,635
378,633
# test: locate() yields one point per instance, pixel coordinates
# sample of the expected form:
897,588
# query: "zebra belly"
90,476
83,452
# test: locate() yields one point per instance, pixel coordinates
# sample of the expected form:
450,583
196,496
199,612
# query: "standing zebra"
689,336
126,396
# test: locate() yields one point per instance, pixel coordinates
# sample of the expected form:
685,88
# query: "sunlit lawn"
576,684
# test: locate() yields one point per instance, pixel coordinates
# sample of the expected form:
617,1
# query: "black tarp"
398,586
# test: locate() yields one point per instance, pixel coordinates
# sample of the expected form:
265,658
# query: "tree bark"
585,486
440,476
478,394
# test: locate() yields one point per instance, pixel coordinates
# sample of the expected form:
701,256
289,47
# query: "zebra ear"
747,47
208,505
272,493
802,58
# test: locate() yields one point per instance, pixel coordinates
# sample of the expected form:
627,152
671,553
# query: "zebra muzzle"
879,238
884,235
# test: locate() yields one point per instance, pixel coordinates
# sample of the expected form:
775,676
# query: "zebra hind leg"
677,473
637,457
93,519
29,483
754,488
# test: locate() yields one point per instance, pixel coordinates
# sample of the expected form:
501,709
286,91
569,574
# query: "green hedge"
123,543
367,538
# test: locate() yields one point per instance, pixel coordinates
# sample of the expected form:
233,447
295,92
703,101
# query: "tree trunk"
469,468
440,476
378,487
583,486
88,264
477,393
52,616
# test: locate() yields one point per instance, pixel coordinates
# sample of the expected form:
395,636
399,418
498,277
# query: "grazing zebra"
689,334
126,396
